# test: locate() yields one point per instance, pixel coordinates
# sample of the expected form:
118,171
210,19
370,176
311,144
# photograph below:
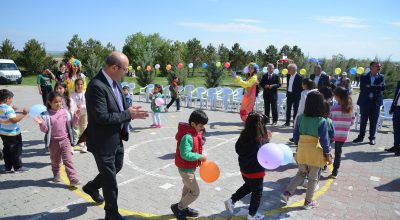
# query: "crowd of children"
324,117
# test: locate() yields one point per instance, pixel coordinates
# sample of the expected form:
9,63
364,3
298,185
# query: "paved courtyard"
368,185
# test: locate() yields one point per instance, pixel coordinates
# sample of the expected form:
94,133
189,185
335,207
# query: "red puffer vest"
183,129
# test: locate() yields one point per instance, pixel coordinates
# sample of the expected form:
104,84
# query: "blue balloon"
287,154
37,110
204,65
353,71
234,74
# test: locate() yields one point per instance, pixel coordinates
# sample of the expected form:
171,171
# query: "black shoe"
191,212
114,216
372,142
291,140
179,214
397,153
274,123
286,125
358,140
392,149
97,198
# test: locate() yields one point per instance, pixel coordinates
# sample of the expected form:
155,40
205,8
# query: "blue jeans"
396,127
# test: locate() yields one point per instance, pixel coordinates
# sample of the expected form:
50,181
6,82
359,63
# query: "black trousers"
178,103
108,165
253,186
338,156
270,103
46,90
12,151
291,101
370,112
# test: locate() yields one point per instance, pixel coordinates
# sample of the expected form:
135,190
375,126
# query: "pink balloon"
270,156
159,102
180,66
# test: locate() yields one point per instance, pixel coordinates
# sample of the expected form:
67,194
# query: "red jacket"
183,129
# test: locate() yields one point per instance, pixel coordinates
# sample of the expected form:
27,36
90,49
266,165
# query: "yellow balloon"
360,70
303,71
138,68
130,68
338,71
285,71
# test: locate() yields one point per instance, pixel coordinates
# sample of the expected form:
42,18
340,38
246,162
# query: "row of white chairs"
213,98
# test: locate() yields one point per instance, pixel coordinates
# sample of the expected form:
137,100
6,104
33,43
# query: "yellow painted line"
125,212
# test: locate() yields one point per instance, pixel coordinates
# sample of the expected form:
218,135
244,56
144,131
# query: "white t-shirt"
291,80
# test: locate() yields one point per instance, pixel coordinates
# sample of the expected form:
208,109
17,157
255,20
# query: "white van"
9,72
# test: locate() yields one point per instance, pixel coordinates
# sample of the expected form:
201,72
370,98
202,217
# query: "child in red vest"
189,156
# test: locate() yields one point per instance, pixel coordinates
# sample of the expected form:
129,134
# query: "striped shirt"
8,129
341,122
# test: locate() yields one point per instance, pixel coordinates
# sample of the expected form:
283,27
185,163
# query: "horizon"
356,29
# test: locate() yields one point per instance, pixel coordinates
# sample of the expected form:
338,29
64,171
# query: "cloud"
342,21
223,27
397,23
243,20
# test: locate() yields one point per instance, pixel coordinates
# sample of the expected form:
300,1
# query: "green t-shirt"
185,149
44,80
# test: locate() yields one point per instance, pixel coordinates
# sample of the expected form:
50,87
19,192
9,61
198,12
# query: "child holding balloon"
313,151
57,123
188,157
254,135
155,106
10,133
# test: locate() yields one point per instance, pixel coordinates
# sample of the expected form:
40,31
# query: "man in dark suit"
318,77
293,92
270,83
108,124
395,111
370,101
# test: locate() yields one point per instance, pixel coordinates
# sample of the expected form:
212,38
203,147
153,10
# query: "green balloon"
218,64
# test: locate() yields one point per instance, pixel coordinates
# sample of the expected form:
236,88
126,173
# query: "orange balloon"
209,171
168,67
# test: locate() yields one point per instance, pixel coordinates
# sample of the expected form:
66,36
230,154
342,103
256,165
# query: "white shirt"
291,80
316,79
111,81
302,103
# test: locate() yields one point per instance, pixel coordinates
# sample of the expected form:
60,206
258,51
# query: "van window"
8,66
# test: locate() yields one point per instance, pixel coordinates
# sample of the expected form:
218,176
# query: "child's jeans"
62,150
253,186
156,118
178,103
305,171
12,151
190,191
338,155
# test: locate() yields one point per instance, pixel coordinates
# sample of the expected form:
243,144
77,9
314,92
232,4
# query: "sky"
354,28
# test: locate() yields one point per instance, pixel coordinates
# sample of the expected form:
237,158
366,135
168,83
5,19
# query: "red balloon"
180,66
227,65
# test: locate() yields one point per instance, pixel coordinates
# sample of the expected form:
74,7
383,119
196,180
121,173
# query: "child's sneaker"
229,206
191,212
22,169
158,126
75,182
179,214
334,174
57,179
257,216
166,109
325,169
153,125
309,205
285,197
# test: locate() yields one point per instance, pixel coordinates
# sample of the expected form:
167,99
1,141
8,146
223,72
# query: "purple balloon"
270,156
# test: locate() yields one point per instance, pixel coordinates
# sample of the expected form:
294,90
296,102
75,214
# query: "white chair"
124,84
131,88
167,94
187,94
385,116
358,117
237,98
281,105
225,98
145,91
198,95
259,101
211,97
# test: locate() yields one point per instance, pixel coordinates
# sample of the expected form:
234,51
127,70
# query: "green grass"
29,80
